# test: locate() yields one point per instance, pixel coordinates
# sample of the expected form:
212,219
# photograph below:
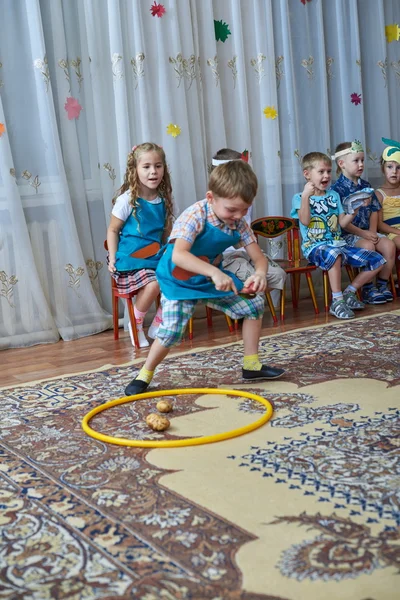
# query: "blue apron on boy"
139,245
178,284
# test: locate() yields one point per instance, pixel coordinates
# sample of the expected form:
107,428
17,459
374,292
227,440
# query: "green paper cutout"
221,31
391,143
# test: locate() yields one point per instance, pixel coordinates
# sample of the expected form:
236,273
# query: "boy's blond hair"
312,158
234,179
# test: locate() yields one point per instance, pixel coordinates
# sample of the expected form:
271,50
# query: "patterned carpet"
306,507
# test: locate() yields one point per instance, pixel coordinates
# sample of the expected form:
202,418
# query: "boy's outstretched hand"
223,282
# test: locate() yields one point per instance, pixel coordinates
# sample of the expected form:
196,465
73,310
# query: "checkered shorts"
325,256
176,314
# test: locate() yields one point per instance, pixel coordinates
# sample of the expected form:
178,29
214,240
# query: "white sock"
143,341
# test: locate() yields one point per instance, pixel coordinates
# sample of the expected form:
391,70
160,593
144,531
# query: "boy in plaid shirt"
188,271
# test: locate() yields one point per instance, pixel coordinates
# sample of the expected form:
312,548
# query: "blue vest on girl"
178,284
139,245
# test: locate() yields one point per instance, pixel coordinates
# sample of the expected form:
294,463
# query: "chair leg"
312,292
133,322
392,286
271,307
209,316
293,284
229,322
115,317
236,324
191,328
283,304
326,290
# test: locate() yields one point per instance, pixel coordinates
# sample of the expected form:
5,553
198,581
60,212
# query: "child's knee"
169,337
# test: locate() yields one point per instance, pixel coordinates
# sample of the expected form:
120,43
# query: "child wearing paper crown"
187,272
389,193
363,231
141,221
321,217
237,261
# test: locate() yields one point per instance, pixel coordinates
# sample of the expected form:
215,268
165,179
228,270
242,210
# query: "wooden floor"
54,360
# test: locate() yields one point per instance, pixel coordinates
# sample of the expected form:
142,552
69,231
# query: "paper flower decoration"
270,112
73,108
173,130
304,1
355,98
221,31
392,32
2,129
157,10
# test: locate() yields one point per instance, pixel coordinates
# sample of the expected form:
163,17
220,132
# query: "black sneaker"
264,373
136,386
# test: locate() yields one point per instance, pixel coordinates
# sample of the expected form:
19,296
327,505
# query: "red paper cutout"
157,10
355,98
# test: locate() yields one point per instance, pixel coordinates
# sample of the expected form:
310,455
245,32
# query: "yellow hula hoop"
197,441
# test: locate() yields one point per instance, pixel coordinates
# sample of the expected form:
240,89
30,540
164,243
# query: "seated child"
321,216
237,261
389,194
187,271
141,221
363,230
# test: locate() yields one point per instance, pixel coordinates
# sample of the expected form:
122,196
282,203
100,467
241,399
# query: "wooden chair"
293,265
116,295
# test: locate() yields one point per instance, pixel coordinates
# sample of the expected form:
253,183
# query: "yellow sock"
145,375
252,363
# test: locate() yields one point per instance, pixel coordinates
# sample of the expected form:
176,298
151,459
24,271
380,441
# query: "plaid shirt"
192,222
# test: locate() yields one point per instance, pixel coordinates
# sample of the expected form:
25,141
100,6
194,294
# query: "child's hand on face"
309,189
223,282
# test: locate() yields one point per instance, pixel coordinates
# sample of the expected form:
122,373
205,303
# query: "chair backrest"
273,227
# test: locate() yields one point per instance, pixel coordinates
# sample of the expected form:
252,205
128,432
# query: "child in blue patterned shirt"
362,232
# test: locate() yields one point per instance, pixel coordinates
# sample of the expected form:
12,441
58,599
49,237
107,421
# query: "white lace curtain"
82,81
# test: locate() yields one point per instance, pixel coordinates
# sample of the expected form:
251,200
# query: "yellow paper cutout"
270,112
173,130
392,32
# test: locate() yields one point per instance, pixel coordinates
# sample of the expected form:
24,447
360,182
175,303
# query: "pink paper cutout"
73,108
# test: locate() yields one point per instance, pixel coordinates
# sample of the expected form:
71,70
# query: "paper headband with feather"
392,152
355,148
244,156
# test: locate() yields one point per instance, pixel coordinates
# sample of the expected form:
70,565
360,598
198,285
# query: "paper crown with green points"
392,152
356,146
